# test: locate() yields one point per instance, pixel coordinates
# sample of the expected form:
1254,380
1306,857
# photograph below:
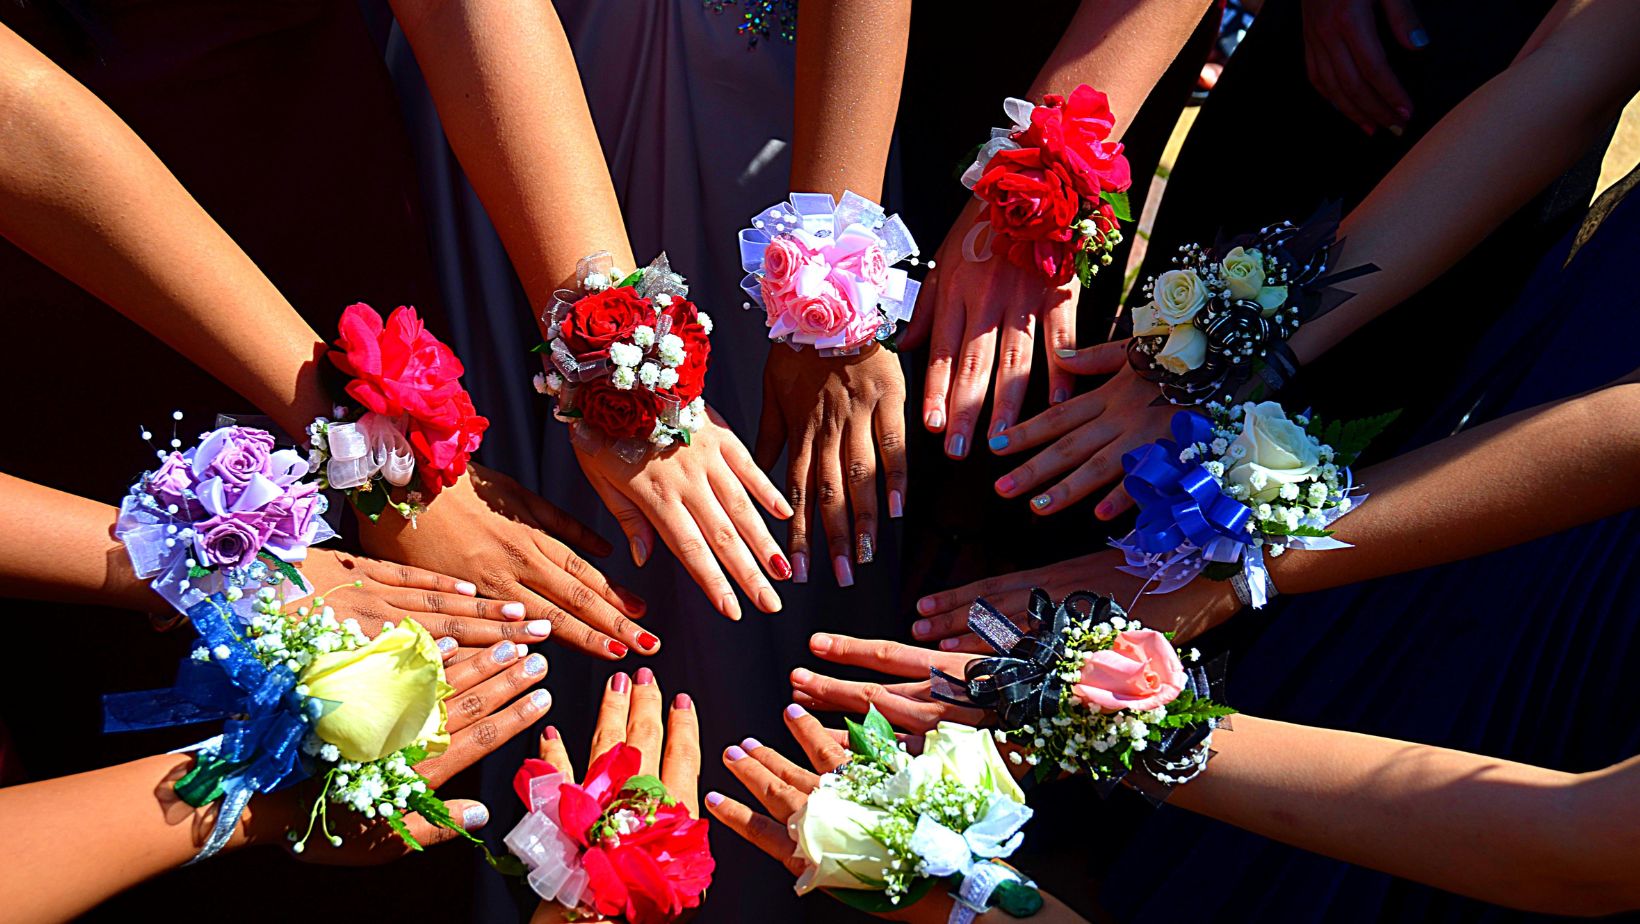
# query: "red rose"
618,414
1031,204
1073,132
598,320
697,348
399,370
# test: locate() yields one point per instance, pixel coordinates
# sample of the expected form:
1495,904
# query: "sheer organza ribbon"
361,450
976,244
553,858
944,852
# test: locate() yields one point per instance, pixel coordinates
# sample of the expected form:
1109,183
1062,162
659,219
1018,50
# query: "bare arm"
58,546
1503,832
850,63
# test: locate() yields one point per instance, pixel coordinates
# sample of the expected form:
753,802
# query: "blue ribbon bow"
1181,502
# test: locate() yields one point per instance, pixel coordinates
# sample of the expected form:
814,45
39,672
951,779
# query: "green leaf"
632,279
369,503
860,742
1310,532
202,785
285,568
685,437
195,572
878,725
542,347
1221,570
647,785
1349,440
1118,202
396,822
874,901
433,809
414,754
507,864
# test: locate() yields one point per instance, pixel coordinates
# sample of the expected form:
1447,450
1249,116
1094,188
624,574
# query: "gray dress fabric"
696,129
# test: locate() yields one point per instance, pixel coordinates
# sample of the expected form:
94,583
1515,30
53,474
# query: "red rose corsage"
1054,187
626,360
616,844
414,426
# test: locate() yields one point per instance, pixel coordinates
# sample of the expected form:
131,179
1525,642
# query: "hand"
783,787
1189,611
907,705
1345,59
827,409
973,310
492,531
1089,435
372,592
696,496
483,715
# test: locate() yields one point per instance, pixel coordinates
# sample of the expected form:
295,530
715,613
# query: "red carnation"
697,348
598,320
1073,132
1031,203
618,413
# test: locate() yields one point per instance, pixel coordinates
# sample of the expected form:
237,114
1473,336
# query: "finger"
802,779
471,815
581,616
972,378
564,527
1098,471
460,654
643,720
771,432
731,553
1100,359
916,331
752,476
1116,503
1064,455
1059,330
395,574
1382,95
610,728
913,743
480,739
907,705
470,673
469,706
425,601
946,612
769,835
1017,343
1405,24
861,475
640,533
552,751
945,340
753,534
831,493
1347,85
887,657
800,489
680,763
580,569
889,418
968,643
824,752
781,798
1054,422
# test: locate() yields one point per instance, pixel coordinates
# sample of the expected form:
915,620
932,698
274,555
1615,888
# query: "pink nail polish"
795,711
1005,484
512,610
896,505
620,683
645,677
714,799
800,567
682,701
925,606
551,734
467,588
735,752
845,572
921,628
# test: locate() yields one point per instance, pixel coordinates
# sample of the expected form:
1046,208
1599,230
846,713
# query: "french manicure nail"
512,610
1064,354
714,799
729,605
819,643
682,701
735,752
551,734
780,566
1059,396
1041,501
802,675
864,552
468,588
845,574
615,648
645,677
1418,37
446,645
647,642
540,628
474,816
800,568
1005,484
921,628
535,665
1000,441
896,504
795,711
504,652
935,419
640,551
620,683
956,446
925,605
750,745
541,700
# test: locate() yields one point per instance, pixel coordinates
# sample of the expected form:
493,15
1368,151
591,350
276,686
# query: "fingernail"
551,734
1103,511
1404,112
475,816
446,645
1059,396
921,628
780,566
1418,37
735,752
819,643
948,644
1000,441
1064,354
620,683
800,568
802,675
682,701
541,700
504,652
845,574
956,446
540,628
935,419
714,799
645,677
750,744
647,642
522,650
640,551
729,605
1397,130
1005,484
896,504
795,711
768,601
615,648
864,553
535,664
925,606
471,590
512,610
1041,501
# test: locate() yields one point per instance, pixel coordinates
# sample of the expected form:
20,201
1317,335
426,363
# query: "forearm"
503,77
850,64
56,546
83,194
1505,832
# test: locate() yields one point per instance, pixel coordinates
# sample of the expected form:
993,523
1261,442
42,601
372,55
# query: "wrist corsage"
823,272
1086,690
615,845
231,515
1226,312
303,696
1053,186
1235,485
414,427
884,828
627,359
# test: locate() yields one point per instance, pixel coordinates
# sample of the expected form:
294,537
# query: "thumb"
1404,22
469,814
1099,359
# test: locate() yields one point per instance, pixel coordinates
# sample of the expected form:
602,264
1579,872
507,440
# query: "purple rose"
234,454
233,540
294,521
172,483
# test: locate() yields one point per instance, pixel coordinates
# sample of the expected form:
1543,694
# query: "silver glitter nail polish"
504,652
1040,501
534,664
863,550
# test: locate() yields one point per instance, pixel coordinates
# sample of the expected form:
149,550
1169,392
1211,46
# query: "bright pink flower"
1141,671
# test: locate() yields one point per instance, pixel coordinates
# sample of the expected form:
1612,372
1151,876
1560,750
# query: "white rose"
1186,349
1179,295
1146,322
1244,277
969,756
832,842
1275,452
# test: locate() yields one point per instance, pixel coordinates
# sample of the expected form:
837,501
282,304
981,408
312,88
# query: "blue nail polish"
958,444
1000,441
1418,37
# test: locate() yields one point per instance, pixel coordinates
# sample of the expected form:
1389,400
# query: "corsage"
626,359
1226,312
1086,690
231,515
823,272
303,696
883,829
414,426
615,845
1053,186
1236,485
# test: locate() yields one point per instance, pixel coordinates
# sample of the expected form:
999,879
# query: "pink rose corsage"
823,272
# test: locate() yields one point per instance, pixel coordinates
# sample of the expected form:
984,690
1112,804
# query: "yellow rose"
833,841
970,756
1185,349
388,695
1244,278
1178,295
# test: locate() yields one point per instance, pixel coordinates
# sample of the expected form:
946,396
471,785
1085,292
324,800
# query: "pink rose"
823,315
1140,672
782,259
872,265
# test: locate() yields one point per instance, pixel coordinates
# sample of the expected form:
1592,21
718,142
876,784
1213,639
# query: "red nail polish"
646,641
645,676
1005,484
682,701
551,734
782,567
620,683
615,648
